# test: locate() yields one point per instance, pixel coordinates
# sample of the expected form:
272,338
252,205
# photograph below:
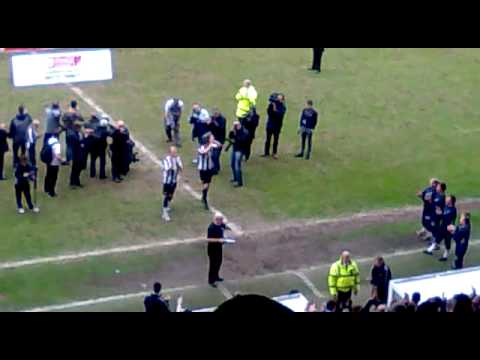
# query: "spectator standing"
343,280
173,114
308,122
380,279
32,137
24,172
3,149
317,59
53,165
155,303
461,236
205,165
69,119
276,113
428,212
217,127
18,133
53,128
240,141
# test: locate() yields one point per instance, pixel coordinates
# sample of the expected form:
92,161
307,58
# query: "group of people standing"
210,133
83,139
439,216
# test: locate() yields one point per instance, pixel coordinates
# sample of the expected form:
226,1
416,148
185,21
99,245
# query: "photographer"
173,113
24,172
217,127
119,149
3,148
18,132
239,139
276,112
69,119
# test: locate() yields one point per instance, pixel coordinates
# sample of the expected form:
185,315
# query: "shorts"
206,176
169,189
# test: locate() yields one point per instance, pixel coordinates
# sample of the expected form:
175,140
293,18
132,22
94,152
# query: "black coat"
18,128
78,146
3,140
240,140
155,304
380,277
276,112
218,128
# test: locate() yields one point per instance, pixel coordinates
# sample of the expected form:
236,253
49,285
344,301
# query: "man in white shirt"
171,166
173,113
54,166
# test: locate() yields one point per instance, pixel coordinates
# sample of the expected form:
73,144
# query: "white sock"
431,247
445,253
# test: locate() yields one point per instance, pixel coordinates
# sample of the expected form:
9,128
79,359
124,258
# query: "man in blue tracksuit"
461,236
428,223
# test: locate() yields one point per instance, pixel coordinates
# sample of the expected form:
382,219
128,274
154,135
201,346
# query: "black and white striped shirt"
171,166
204,157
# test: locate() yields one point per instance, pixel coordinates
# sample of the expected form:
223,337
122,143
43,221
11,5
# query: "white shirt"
56,151
203,116
169,104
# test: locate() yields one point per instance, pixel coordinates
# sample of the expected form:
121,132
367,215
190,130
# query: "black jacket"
461,237
308,119
69,119
240,140
3,140
381,276
18,128
78,146
276,112
218,128
155,304
23,174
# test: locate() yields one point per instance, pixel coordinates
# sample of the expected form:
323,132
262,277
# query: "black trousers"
32,155
23,188
75,173
116,166
459,256
2,163
102,155
217,152
344,300
51,179
215,260
317,59
16,147
306,137
276,135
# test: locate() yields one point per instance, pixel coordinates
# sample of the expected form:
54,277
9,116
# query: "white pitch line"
235,228
299,271
224,291
308,283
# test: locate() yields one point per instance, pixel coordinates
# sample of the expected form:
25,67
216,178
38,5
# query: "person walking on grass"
24,173
239,138
461,236
69,119
276,113
172,116
449,217
206,165
343,280
380,279
308,122
199,119
317,59
216,239
428,223
171,166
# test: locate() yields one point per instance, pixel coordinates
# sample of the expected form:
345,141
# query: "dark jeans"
459,256
116,166
25,190
236,164
32,155
317,59
16,147
343,300
216,160
215,259
102,155
276,135
69,146
51,179
306,137
2,163
75,173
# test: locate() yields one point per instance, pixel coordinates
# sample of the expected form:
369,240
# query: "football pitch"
389,120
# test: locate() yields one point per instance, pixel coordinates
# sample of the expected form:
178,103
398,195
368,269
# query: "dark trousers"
276,135
16,147
236,164
32,155
102,155
116,166
317,59
306,137
175,128
344,300
51,179
69,147
428,222
216,160
215,260
442,234
459,256
75,173
25,190
2,163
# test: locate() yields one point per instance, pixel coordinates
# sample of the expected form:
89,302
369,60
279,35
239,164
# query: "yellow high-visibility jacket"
247,98
343,277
